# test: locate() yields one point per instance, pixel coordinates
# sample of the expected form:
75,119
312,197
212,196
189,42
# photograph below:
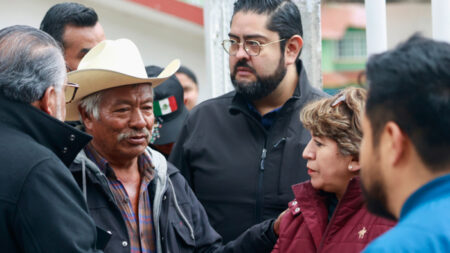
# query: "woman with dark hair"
328,213
188,81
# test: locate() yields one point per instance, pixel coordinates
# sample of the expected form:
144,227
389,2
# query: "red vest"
305,227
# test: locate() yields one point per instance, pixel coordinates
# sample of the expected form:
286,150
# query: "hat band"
165,106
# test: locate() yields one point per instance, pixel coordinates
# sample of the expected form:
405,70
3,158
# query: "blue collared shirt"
268,119
424,224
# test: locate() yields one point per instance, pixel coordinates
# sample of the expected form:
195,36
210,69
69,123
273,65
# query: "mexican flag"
164,106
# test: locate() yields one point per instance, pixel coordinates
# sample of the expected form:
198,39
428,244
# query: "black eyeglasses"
251,47
70,90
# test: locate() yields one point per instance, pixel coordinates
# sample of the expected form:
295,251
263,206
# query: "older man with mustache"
132,192
115,105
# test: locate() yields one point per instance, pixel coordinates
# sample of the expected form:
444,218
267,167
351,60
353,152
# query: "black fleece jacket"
240,171
41,207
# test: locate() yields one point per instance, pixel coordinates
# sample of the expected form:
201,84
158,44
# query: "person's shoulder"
179,183
219,101
214,107
388,242
315,93
310,93
22,150
175,175
172,170
405,238
24,171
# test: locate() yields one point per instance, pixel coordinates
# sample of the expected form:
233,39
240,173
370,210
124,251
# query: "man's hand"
276,224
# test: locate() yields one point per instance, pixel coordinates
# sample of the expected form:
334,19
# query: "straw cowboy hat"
112,63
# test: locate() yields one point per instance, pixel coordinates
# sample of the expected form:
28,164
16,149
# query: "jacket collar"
433,191
312,204
303,88
158,160
304,192
82,164
62,139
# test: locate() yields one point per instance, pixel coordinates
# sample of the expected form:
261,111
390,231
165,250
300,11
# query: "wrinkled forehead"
141,92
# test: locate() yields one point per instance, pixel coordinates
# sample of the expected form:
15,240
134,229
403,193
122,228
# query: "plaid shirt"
140,231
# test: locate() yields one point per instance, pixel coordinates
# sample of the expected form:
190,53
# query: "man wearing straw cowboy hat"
131,191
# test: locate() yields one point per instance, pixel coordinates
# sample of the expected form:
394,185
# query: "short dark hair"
62,14
30,62
188,72
283,16
410,86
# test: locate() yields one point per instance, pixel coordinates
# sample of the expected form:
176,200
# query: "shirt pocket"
181,240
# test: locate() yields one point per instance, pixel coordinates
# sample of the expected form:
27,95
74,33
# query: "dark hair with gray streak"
30,62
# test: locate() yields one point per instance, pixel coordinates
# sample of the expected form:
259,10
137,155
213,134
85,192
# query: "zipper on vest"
260,193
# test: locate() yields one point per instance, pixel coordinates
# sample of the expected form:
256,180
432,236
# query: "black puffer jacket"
41,207
180,222
239,171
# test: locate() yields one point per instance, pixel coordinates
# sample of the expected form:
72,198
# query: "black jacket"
41,207
180,222
239,171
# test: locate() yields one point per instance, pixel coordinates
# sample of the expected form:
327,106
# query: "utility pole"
440,14
376,30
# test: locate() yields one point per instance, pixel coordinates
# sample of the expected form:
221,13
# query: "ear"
47,103
292,48
87,119
354,166
395,141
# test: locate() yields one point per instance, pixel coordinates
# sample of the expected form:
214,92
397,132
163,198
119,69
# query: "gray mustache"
131,133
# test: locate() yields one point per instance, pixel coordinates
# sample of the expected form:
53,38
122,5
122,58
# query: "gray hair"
30,62
90,104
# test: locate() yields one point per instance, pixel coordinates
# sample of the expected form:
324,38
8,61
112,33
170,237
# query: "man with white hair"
131,190
41,207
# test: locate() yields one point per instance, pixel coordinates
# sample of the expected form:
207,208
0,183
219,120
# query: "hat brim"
95,80
170,129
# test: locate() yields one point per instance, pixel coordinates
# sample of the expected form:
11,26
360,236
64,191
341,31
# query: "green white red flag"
165,106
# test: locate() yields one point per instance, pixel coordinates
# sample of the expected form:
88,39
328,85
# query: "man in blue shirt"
405,151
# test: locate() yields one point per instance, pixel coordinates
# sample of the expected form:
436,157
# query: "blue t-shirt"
424,224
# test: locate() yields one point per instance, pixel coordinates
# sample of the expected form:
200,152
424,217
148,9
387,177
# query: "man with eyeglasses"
42,209
240,152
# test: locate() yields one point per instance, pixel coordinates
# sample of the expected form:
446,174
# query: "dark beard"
376,200
263,86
